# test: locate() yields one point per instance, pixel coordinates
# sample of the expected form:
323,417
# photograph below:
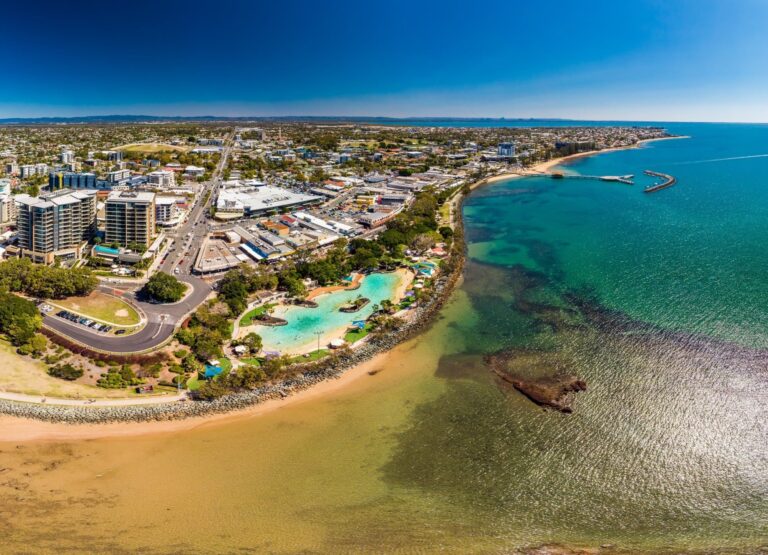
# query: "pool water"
305,323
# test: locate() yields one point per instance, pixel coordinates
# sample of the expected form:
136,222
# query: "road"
162,319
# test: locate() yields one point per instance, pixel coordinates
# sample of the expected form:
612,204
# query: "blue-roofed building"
212,369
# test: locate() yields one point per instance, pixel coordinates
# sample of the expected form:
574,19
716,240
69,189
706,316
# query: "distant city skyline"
645,60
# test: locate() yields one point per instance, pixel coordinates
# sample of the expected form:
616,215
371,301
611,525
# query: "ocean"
657,301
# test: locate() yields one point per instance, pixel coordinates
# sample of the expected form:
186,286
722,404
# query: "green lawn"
313,356
102,307
226,366
193,383
356,335
247,319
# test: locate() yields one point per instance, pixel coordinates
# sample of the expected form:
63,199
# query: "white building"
194,171
506,150
252,197
118,176
167,211
164,179
29,170
67,157
7,209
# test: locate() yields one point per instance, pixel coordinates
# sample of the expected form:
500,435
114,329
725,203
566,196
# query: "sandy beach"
356,279
13,429
544,167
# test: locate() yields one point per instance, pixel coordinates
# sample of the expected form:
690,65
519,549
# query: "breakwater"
668,181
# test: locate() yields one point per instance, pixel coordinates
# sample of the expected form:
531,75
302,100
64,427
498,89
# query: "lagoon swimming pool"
305,323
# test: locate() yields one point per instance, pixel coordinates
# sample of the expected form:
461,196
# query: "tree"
164,288
253,342
212,389
246,377
19,318
191,364
37,344
422,242
45,282
207,344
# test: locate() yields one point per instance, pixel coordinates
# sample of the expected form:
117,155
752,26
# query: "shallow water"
304,323
657,301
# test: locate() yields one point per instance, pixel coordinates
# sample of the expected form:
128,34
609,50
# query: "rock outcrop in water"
546,389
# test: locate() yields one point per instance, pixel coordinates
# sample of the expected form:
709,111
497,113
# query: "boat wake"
749,157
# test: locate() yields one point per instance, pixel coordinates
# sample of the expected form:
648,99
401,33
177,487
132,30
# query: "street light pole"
318,334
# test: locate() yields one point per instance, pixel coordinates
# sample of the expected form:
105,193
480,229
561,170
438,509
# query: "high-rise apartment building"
56,224
130,218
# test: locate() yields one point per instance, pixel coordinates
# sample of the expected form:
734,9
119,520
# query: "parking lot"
82,320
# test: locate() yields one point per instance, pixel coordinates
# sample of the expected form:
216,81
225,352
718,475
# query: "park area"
29,377
151,148
103,308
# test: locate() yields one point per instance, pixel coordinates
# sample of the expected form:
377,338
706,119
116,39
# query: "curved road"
161,322
162,319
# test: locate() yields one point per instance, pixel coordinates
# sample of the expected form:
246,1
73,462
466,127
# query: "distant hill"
143,118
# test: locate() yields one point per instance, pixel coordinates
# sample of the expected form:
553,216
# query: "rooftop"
130,196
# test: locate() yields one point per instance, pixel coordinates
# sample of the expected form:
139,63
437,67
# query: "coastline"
17,429
543,167
27,421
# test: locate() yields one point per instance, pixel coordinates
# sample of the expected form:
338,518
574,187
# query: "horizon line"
8,120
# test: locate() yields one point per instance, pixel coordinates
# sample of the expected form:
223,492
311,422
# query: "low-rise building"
254,198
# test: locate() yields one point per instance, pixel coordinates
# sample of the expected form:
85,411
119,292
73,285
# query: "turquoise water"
692,257
660,302
304,323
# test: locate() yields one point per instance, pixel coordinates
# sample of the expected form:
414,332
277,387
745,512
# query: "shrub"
65,372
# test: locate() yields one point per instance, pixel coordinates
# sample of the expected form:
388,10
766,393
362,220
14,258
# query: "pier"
669,180
626,179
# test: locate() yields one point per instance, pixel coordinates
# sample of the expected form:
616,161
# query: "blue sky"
675,60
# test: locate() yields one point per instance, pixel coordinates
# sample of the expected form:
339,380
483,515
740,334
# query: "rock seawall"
309,374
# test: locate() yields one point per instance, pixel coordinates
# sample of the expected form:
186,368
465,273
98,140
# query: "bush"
65,372
53,359
180,353
118,378
176,369
211,390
